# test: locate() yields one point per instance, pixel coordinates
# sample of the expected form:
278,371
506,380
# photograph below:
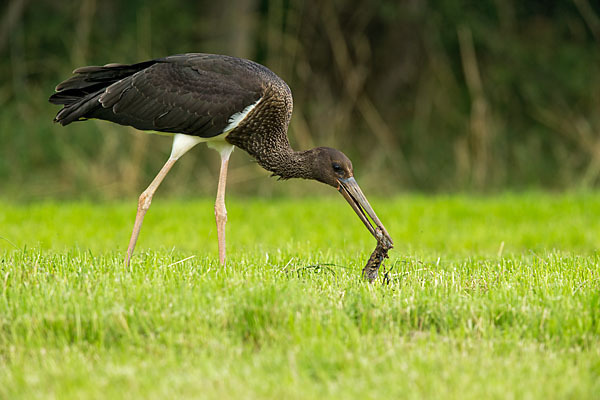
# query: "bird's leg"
220,211
144,204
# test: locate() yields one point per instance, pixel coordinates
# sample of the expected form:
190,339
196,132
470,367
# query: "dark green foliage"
439,95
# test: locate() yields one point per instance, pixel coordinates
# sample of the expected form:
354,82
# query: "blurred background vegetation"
445,95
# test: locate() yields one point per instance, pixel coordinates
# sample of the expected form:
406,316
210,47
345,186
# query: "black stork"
221,100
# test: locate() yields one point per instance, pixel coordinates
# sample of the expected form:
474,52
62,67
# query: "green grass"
489,297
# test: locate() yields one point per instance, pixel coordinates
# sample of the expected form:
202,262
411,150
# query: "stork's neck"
294,164
273,152
282,160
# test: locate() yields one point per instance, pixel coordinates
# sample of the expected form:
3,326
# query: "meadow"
494,296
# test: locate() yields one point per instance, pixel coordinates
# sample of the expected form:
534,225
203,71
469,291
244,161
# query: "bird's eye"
337,168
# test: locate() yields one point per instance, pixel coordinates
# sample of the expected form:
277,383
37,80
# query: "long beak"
359,203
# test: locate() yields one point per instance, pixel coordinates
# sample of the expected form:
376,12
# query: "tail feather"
80,93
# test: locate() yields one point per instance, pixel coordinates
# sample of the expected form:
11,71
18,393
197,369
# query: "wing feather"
195,94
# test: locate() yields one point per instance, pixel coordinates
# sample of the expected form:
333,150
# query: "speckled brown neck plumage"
263,133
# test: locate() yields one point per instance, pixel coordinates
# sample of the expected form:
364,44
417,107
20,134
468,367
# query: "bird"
223,101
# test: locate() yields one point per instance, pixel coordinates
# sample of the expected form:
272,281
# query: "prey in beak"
359,203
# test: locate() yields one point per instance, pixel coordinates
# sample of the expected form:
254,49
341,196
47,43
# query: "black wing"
195,94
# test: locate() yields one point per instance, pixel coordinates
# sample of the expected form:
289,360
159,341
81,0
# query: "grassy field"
488,297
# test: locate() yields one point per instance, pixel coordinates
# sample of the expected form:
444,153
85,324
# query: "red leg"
144,204
220,210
